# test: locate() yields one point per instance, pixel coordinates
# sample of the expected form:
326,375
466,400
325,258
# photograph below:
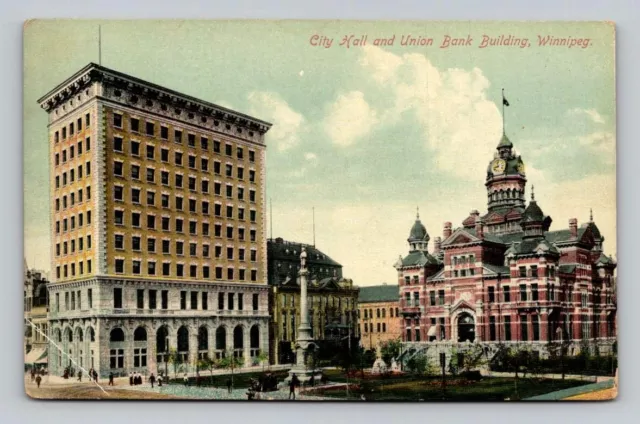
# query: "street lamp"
166,359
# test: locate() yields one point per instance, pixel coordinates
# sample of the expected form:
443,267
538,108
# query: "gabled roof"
605,260
437,276
419,258
532,246
496,269
461,236
567,269
379,293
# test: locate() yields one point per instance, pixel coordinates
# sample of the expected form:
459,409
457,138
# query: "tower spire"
590,215
533,195
417,212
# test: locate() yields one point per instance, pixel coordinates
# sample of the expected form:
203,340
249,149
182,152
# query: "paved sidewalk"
217,393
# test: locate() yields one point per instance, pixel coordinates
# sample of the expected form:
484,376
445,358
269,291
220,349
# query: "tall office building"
157,226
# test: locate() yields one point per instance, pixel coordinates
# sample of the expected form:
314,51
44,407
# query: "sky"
364,134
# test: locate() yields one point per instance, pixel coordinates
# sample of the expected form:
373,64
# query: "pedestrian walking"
130,379
152,380
111,379
229,385
80,376
293,383
185,379
38,380
159,381
95,375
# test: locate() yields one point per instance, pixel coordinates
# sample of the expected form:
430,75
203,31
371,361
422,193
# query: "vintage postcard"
320,210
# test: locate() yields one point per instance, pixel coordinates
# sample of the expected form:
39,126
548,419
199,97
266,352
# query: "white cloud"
591,113
368,238
288,125
459,123
310,156
602,143
382,64
349,118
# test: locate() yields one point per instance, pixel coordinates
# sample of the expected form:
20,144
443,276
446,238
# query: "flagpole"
503,129
99,44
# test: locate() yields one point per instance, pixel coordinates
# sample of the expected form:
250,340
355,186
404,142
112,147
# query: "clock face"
498,166
521,168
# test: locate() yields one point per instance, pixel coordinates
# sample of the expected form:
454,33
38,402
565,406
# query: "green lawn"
457,389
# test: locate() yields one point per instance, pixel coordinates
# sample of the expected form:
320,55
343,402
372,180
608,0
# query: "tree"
390,350
472,358
207,364
262,358
231,362
558,350
176,360
517,357
420,365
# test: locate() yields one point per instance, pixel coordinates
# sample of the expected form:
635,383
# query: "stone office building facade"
157,226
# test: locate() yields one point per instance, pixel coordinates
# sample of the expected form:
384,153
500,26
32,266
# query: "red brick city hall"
503,277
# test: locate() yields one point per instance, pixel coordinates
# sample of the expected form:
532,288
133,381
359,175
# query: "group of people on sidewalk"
135,379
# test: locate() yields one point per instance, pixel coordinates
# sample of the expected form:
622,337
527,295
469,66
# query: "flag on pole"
504,100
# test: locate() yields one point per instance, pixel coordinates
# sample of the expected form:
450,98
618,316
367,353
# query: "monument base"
304,375
379,367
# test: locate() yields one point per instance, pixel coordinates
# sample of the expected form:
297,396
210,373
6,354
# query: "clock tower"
506,179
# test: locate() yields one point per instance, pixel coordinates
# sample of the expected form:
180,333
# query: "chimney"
436,246
479,227
573,227
447,231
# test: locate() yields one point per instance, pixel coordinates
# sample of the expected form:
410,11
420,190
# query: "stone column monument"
304,341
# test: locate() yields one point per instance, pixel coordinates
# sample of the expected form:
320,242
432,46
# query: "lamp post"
166,359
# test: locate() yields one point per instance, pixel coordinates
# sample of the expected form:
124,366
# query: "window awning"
432,331
36,356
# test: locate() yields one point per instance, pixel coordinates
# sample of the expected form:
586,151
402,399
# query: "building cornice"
97,73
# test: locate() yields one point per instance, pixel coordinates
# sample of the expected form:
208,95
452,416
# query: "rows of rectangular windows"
73,300
179,181
178,204
73,222
179,226
188,300
150,130
380,313
73,127
74,151
381,328
533,271
179,248
69,247
70,270
182,270
178,159
71,199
